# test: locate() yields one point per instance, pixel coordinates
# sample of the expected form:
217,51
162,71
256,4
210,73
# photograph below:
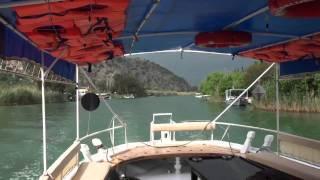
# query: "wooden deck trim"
149,152
92,170
68,160
185,126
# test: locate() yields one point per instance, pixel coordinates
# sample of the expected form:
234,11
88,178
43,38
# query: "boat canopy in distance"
91,31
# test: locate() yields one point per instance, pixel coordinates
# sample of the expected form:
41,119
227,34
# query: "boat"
130,96
202,96
67,36
232,94
198,95
83,91
104,95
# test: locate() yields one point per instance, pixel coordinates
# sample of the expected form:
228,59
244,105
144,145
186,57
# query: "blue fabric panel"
188,15
135,14
199,16
14,46
299,67
210,15
157,43
281,25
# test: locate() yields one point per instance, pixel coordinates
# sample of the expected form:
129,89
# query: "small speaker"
90,101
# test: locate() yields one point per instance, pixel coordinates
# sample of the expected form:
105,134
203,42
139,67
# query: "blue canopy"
154,25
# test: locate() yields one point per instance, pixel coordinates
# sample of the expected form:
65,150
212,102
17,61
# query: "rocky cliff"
151,75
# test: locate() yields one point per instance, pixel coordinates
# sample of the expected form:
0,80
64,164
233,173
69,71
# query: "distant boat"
108,97
131,96
104,95
198,96
201,96
232,94
83,91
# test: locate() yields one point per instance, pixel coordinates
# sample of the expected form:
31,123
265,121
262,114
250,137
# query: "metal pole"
113,132
277,106
145,19
125,135
247,17
77,101
44,138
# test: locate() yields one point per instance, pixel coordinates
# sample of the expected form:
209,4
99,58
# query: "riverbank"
306,105
27,95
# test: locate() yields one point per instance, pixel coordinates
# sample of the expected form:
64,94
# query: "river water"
21,126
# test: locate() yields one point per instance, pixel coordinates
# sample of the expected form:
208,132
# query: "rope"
88,124
105,102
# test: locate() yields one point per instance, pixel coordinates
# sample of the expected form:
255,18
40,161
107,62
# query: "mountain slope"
151,75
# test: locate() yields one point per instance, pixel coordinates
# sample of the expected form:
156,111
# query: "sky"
195,67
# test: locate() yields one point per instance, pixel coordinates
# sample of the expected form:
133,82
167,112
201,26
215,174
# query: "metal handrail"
99,132
245,126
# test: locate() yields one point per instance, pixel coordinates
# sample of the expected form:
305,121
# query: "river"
21,126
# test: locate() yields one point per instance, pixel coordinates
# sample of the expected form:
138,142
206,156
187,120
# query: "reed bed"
306,104
27,94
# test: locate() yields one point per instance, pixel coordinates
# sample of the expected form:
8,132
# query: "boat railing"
111,131
291,146
70,159
287,145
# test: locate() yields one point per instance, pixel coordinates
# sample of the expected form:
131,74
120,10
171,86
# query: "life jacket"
294,50
63,7
85,29
295,8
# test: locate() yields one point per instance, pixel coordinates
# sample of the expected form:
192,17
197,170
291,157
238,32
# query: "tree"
126,84
217,83
253,71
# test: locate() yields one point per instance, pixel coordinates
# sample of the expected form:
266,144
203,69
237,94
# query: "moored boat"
232,94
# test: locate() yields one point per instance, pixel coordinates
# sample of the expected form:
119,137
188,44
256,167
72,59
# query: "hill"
149,74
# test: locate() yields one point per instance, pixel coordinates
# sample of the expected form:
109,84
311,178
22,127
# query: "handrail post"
212,135
225,132
113,132
277,106
77,102
44,138
151,132
125,135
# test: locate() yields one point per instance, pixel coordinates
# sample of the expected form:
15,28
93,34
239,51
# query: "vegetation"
124,84
217,82
17,90
300,95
